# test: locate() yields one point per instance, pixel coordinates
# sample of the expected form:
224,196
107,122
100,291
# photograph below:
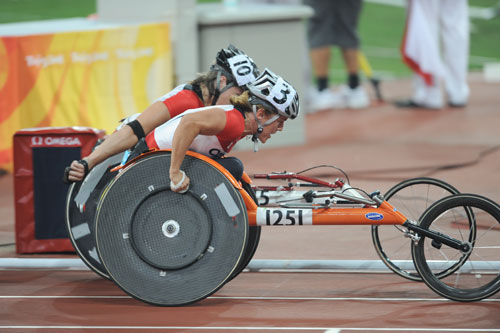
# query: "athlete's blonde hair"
242,103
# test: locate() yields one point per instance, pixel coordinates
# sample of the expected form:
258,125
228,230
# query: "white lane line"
266,298
62,296
375,299
257,328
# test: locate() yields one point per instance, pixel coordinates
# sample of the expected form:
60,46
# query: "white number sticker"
281,95
283,216
242,69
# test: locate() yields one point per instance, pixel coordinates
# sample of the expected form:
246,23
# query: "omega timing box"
40,157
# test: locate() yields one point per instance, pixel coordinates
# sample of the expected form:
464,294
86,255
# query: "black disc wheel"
167,248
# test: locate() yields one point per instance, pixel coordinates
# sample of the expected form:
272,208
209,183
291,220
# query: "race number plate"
241,68
284,216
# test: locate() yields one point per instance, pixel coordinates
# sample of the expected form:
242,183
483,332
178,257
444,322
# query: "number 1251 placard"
284,216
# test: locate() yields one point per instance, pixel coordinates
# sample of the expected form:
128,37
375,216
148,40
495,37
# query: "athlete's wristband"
85,167
68,169
137,129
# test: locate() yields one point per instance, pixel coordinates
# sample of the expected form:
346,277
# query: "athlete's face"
272,128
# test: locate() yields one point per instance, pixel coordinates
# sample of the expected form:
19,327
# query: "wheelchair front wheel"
478,273
412,197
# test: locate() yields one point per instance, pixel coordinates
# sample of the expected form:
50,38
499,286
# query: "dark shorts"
334,23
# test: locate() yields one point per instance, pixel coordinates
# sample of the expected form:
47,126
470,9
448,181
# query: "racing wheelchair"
172,249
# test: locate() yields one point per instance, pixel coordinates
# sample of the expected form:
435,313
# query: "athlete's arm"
208,122
152,117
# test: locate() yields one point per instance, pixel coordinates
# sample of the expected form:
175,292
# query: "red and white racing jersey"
180,99
177,101
208,145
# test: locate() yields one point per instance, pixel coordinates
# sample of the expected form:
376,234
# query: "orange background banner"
86,78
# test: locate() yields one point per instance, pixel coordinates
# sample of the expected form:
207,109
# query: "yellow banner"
87,78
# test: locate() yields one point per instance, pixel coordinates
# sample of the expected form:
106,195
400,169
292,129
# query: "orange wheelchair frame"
375,211
383,214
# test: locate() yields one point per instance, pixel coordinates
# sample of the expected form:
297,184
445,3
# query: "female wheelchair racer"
195,235
229,75
260,112
261,123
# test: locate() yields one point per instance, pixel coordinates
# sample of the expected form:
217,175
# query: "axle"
439,237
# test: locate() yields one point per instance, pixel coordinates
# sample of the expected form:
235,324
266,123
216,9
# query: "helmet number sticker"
281,95
242,69
283,217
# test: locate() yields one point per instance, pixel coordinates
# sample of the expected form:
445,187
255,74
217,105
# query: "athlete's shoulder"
171,93
235,122
181,101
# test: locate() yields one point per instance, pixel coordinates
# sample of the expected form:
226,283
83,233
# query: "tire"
390,243
83,219
166,248
479,273
253,237
84,246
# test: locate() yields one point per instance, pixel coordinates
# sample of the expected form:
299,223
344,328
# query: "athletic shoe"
325,99
356,98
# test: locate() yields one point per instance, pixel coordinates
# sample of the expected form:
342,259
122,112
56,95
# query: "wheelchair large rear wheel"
253,237
167,248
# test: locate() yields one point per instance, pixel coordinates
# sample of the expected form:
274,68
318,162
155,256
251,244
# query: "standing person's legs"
454,18
421,53
351,63
346,30
321,37
355,96
320,59
319,34
429,94
335,23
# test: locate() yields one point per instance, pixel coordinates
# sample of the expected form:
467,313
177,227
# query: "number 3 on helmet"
272,91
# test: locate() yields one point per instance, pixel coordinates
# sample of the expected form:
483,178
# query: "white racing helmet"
236,66
275,94
272,91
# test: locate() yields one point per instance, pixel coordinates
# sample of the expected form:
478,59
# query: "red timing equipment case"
40,157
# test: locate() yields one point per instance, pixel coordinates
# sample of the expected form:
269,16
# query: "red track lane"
272,300
378,147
